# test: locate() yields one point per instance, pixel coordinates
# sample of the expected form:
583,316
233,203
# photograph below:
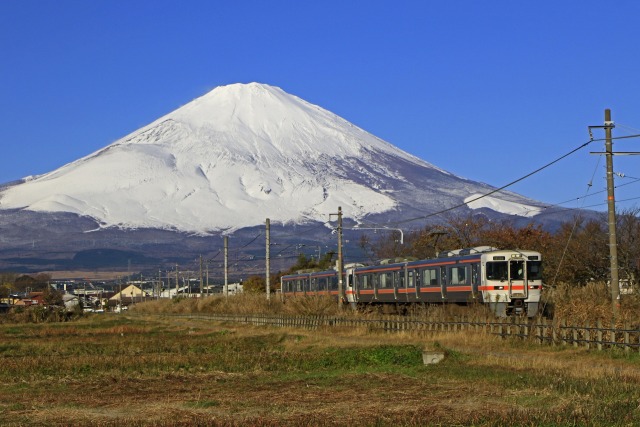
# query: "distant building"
70,301
130,293
234,288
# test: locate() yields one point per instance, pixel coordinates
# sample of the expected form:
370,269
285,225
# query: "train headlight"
498,288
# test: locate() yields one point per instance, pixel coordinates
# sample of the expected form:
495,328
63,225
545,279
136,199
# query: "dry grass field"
146,369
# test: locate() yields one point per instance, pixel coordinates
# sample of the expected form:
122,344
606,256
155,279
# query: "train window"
458,276
534,270
298,285
314,284
497,270
385,280
365,281
430,277
334,282
516,270
410,279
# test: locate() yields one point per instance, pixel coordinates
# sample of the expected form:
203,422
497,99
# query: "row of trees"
12,283
578,252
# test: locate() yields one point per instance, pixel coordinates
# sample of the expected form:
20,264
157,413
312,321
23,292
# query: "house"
70,301
129,293
33,298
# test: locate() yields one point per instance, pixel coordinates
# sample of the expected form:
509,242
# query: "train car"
509,281
310,283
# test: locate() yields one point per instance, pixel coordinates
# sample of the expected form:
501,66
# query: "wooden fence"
540,331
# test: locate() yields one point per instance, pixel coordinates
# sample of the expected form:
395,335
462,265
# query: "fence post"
626,336
599,334
587,335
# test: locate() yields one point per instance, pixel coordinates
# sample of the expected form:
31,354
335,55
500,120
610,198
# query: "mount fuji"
227,161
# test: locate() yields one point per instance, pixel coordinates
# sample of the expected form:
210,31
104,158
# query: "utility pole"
611,207
611,210
226,266
268,261
120,283
340,261
200,275
168,283
177,281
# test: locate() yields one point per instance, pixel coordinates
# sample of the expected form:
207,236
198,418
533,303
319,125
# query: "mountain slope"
238,155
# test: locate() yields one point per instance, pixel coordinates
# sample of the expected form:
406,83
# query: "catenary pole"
226,266
340,261
611,208
268,266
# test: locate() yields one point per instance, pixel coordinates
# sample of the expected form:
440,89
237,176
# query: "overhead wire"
575,225
497,189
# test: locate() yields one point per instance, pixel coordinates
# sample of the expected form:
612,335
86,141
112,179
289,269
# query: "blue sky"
487,90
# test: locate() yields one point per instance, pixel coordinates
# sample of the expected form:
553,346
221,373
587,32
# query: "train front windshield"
514,270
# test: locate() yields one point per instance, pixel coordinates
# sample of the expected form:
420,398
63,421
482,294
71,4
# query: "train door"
458,281
475,279
443,282
374,282
517,279
413,292
351,288
398,283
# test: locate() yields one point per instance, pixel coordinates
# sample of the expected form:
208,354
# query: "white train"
509,281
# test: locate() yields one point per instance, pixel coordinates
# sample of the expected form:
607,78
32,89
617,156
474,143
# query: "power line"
497,189
579,198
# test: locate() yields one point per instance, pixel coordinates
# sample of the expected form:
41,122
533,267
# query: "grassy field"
145,369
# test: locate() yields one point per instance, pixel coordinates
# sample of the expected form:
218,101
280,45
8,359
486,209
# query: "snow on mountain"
236,156
503,206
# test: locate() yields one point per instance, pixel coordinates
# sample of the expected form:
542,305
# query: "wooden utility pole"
177,281
200,275
340,261
226,266
611,207
268,266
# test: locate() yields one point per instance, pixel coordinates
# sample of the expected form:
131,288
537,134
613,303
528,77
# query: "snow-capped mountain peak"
234,157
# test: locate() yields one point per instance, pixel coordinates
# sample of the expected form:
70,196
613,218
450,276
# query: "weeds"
115,370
